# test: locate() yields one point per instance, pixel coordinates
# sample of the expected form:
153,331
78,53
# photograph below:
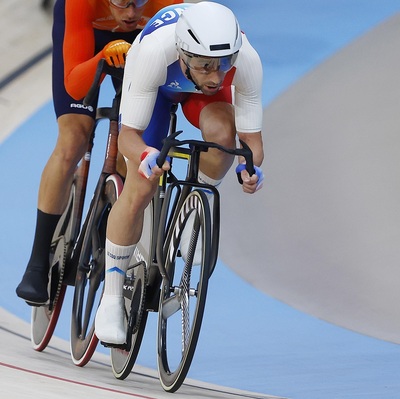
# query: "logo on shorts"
81,106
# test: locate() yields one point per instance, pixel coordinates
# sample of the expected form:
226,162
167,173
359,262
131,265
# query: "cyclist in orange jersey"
84,31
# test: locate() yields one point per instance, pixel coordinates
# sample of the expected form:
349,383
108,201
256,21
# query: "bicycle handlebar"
102,68
171,141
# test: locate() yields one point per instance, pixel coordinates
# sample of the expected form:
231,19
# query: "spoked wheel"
44,318
183,294
123,360
90,275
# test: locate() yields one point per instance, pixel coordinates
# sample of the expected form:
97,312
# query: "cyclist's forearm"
130,143
255,142
78,80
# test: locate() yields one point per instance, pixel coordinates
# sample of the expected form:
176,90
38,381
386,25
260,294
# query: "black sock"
45,226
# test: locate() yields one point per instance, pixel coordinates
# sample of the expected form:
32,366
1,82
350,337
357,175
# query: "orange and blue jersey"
81,29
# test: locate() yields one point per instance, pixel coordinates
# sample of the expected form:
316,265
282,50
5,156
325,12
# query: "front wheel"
184,290
44,318
90,274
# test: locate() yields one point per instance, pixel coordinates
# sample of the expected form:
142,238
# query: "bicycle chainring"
137,297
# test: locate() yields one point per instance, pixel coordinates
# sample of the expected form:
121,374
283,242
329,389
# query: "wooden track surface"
25,373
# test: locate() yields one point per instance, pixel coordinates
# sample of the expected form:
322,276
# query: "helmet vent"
193,36
216,47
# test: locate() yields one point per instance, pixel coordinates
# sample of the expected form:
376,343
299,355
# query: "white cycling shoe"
185,241
110,322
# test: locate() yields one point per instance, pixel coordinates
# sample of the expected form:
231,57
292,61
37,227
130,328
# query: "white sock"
117,262
203,178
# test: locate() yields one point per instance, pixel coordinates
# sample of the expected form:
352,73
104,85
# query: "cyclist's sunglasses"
127,3
207,65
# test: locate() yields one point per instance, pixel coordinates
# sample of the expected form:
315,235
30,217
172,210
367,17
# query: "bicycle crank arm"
171,306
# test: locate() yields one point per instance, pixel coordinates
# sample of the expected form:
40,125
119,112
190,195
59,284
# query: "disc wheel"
122,361
183,293
44,318
90,275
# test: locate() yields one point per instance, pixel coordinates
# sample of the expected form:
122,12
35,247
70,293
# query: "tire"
44,318
183,297
135,289
122,361
90,275
44,321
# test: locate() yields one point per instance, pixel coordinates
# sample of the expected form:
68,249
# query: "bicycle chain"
61,270
142,299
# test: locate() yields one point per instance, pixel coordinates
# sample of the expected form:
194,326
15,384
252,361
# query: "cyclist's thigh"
74,127
195,103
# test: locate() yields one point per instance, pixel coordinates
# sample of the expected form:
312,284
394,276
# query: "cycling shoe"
110,322
33,286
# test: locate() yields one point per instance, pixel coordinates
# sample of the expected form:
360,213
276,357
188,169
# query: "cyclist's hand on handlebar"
253,183
148,167
115,53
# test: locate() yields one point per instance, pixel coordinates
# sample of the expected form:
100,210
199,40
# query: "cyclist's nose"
216,76
215,81
131,10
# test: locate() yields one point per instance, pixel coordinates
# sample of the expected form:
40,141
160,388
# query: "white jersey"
152,68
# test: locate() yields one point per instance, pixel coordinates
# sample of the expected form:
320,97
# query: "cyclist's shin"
33,287
110,323
117,263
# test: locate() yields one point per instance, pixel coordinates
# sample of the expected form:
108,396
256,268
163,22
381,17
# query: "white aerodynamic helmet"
208,29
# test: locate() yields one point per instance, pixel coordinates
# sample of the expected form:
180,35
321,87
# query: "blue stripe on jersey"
177,86
166,16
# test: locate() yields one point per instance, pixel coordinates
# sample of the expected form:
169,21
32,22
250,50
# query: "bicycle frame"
164,205
163,275
67,241
82,172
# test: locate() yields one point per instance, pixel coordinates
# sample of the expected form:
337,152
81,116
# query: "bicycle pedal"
37,304
115,346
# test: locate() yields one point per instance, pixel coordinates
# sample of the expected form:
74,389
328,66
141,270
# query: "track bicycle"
159,279
75,246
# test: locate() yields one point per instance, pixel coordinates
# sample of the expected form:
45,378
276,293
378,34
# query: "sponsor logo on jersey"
175,85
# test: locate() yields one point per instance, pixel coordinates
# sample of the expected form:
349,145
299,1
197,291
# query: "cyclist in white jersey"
197,56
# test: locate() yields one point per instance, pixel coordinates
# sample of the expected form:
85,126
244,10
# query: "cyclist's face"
127,18
209,83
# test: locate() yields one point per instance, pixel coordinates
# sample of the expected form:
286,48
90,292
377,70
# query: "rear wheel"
90,275
183,294
122,361
138,289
